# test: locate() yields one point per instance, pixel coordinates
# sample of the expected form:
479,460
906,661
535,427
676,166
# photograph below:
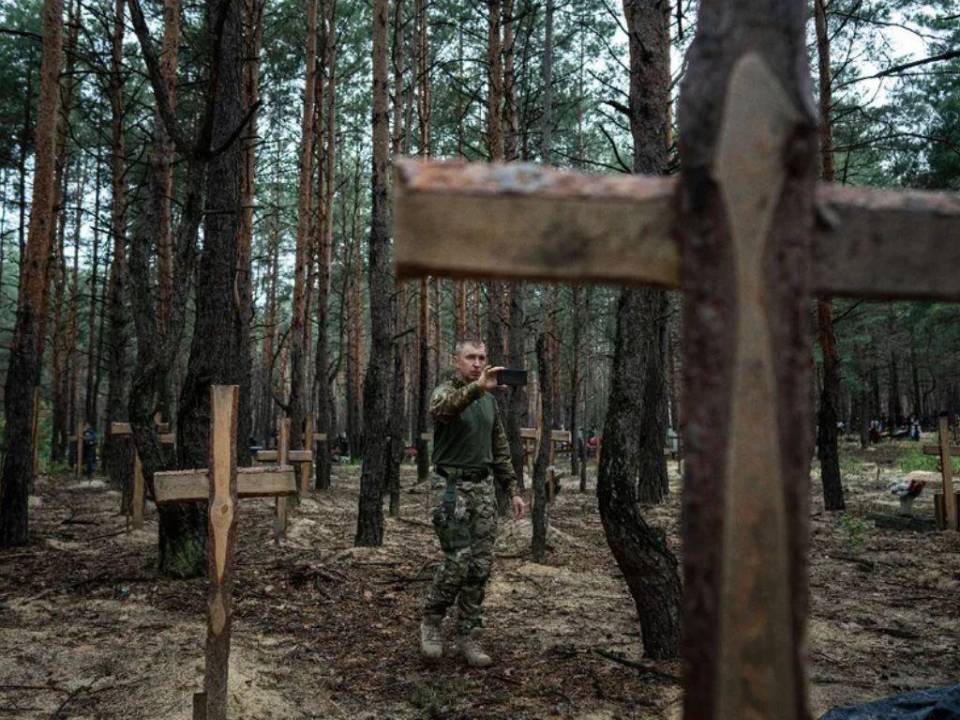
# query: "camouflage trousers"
465,518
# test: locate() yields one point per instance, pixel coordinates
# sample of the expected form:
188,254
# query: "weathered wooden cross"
121,429
302,460
747,239
221,484
945,502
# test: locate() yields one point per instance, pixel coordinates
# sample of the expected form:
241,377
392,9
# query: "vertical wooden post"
222,529
283,444
137,492
746,204
946,472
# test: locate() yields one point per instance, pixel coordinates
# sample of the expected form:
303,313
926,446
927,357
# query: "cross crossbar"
194,485
463,220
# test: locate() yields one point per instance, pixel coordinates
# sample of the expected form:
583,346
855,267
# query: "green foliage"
855,530
914,459
188,560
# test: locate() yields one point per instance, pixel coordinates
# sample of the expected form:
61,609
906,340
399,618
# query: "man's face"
471,361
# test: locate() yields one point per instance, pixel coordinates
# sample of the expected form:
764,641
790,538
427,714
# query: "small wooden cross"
748,267
221,485
945,502
283,455
121,429
531,441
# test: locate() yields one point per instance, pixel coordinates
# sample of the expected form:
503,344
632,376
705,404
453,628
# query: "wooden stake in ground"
119,429
947,518
753,232
221,485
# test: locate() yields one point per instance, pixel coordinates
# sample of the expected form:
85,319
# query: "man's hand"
488,378
519,507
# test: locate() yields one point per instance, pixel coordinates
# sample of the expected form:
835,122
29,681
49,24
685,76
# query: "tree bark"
118,453
216,353
354,289
540,518
634,432
23,373
163,157
827,449
90,403
324,406
253,39
423,314
377,380
298,318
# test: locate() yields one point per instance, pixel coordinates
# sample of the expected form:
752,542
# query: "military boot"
431,638
469,646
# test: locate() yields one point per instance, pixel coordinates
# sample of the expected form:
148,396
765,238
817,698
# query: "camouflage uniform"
469,441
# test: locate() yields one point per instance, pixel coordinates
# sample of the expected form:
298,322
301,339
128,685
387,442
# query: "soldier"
470,452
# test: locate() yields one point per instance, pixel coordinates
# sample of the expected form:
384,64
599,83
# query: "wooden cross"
727,234
283,455
139,496
945,502
221,485
531,441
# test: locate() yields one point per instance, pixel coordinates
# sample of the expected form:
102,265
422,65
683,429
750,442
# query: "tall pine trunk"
376,384
118,453
23,373
540,516
423,307
216,353
298,319
324,406
827,448
634,432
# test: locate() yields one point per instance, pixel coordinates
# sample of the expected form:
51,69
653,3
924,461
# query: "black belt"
463,475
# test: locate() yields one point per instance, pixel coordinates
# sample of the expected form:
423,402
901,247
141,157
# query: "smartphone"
512,376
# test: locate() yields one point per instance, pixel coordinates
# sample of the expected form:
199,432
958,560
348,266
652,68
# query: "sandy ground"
324,630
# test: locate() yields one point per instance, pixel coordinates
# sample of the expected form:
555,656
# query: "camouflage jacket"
448,405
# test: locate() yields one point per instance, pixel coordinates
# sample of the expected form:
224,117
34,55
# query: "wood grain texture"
222,502
886,244
283,449
138,492
521,220
755,619
194,485
524,221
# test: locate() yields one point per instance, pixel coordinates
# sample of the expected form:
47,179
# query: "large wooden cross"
735,234
221,484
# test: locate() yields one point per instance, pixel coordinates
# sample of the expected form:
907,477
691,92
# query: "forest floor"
325,630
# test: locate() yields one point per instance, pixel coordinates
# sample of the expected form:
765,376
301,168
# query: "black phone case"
512,376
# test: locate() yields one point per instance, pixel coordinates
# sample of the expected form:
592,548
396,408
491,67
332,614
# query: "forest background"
132,323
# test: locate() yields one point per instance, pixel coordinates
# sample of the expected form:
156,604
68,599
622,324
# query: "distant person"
914,427
89,450
470,453
581,447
